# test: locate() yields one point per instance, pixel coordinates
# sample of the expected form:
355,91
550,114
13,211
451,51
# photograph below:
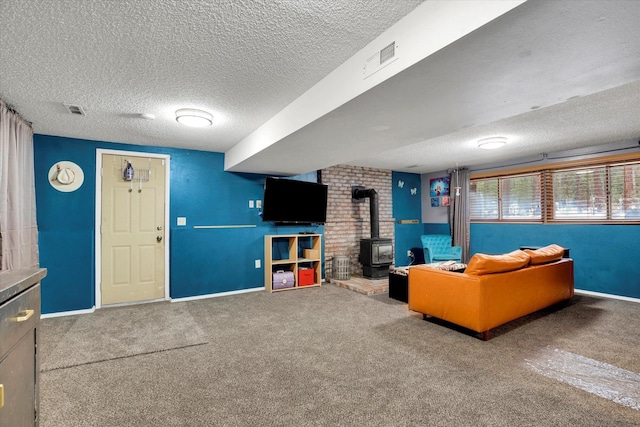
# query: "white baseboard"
600,294
220,294
68,313
197,297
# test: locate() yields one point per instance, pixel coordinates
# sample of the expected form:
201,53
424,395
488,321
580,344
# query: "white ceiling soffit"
549,75
427,29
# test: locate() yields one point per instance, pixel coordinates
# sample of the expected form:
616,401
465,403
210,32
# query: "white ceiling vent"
380,59
388,53
75,109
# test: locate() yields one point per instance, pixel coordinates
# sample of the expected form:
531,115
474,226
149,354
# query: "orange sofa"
494,289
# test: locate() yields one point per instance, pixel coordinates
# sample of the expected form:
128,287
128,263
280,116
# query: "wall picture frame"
439,186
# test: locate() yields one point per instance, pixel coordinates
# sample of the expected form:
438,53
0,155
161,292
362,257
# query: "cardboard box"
306,277
312,254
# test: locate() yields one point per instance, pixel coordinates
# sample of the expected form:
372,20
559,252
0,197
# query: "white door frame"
98,216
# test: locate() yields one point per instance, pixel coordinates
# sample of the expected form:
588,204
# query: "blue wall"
437,228
406,206
202,261
606,257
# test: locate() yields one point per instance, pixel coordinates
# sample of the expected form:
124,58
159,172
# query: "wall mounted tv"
287,201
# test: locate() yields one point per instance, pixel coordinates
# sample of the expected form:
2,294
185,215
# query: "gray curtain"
459,221
18,228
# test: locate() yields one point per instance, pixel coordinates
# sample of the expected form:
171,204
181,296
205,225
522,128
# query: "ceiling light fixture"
194,118
492,142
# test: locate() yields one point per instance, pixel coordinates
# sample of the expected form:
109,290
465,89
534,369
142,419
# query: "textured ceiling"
242,60
550,75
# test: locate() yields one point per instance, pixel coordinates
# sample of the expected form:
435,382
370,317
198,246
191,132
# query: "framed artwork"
439,186
435,202
446,201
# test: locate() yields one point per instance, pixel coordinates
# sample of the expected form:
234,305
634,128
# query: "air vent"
387,53
380,59
75,109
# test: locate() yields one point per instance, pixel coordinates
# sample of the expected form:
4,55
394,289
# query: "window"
580,194
484,199
513,198
606,192
625,191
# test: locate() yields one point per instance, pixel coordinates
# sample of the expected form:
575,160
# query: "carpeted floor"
330,357
119,332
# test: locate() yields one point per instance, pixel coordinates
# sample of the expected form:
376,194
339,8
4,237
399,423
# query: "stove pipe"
361,193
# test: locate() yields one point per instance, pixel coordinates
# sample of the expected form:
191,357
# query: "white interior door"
132,229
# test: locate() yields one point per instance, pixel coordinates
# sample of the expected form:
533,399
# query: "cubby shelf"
292,258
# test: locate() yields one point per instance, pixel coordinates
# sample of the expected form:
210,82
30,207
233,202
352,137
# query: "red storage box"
306,277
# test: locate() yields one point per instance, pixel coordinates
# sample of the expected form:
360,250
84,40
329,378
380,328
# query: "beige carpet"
326,356
121,332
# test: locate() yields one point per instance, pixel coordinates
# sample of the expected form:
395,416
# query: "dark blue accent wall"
202,261
606,257
406,206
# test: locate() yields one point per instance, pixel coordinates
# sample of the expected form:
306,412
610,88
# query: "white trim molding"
68,313
220,294
610,296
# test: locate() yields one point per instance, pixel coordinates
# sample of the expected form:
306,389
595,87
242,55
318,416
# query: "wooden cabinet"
299,254
19,367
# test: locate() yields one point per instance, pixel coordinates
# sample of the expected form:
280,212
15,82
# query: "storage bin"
341,268
306,277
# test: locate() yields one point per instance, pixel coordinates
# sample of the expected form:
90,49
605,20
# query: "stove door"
383,254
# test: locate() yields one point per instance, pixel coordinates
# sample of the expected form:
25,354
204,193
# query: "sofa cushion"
480,264
544,255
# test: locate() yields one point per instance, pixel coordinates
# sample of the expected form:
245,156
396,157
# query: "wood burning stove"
376,254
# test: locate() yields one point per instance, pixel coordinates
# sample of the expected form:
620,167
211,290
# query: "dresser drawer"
18,316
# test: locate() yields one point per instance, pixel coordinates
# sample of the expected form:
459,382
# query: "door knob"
159,238
159,228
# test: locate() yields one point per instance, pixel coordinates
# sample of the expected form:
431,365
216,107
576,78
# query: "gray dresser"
19,365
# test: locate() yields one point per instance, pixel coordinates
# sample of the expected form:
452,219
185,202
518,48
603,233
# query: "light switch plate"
250,203
182,220
257,263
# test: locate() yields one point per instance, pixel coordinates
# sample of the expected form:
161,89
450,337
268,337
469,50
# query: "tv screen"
288,201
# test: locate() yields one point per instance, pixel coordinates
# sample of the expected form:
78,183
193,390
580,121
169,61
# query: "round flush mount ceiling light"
492,142
194,118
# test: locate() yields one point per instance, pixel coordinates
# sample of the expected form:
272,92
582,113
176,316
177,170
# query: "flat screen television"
287,201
